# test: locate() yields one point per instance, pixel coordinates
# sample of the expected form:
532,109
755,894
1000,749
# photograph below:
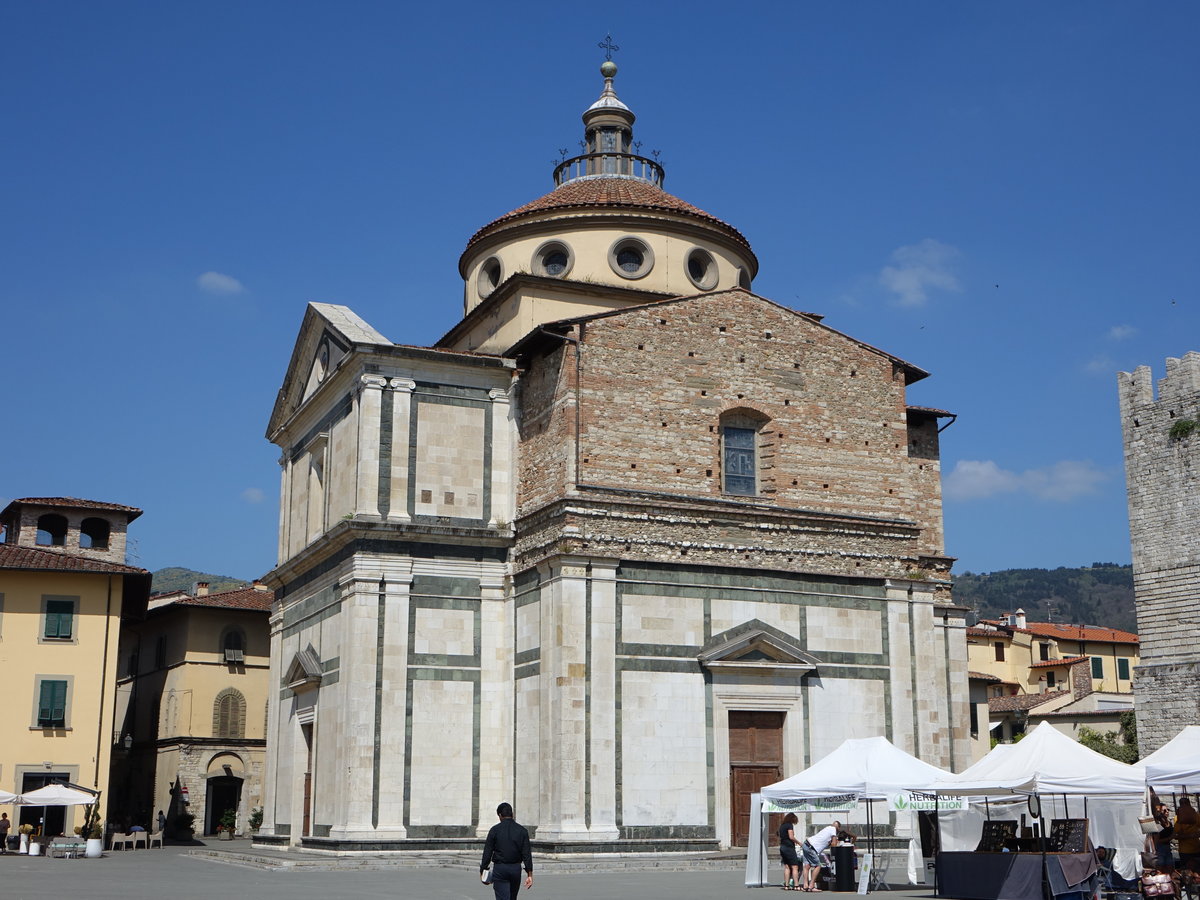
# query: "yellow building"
64,590
1069,675
192,703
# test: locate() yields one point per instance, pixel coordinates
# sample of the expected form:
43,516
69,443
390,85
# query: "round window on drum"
553,259
702,269
631,258
491,273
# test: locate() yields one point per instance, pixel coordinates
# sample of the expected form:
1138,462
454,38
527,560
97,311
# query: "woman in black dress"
787,852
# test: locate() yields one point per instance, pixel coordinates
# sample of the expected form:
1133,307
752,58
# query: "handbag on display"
1149,825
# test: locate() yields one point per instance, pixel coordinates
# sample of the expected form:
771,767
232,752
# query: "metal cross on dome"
608,46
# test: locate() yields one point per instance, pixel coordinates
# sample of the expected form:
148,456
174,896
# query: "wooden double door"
755,760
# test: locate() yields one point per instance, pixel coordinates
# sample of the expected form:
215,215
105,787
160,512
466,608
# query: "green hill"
179,579
1099,594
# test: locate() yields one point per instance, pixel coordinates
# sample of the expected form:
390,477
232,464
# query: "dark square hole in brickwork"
585,459
768,334
794,482
712,428
852,373
679,471
721,328
426,496
824,485
827,440
633,465
708,473
741,359
795,365
664,424
691,353
662,321
641,346
787,402
704,393
866,443
740,396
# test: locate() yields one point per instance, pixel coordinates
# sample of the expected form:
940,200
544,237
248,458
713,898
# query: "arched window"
93,534
740,470
52,530
233,645
229,714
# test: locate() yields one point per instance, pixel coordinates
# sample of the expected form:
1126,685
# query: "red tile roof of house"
985,632
1022,701
608,193
1065,661
34,558
1066,632
239,598
983,676
77,502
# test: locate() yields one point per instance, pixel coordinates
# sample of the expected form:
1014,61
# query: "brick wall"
655,383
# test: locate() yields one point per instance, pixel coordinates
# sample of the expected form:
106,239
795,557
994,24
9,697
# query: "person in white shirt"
813,848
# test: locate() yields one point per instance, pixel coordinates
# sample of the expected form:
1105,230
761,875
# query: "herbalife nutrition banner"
919,801
839,803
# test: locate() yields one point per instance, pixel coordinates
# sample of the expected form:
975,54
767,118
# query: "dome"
600,193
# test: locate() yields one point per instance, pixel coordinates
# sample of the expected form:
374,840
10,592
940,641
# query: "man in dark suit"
506,850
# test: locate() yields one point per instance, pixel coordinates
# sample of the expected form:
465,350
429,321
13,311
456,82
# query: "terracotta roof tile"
1066,632
1065,661
983,676
34,558
133,511
1022,701
608,193
239,598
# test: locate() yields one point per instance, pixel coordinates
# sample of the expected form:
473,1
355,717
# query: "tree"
1120,745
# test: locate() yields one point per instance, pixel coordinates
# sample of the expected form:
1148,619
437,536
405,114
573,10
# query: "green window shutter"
1097,667
52,704
1123,669
60,619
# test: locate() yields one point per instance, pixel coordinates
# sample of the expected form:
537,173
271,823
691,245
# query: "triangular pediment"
304,672
327,335
755,647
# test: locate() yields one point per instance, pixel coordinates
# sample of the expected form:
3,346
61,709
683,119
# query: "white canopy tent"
869,768
1056,768
1046,761
1176,764
57,795
859,769
6,798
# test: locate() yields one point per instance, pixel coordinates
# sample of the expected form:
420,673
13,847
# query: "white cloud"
216,283
919,268
1061,482
1100,365
253,495
1121,332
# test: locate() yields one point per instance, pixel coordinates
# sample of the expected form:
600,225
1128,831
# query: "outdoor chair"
879,867
139,839
155,838
122,842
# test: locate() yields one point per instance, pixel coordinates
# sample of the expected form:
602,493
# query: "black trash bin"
843,862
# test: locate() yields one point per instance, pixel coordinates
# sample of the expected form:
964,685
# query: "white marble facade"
420,680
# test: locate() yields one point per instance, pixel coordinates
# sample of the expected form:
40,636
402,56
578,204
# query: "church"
627,543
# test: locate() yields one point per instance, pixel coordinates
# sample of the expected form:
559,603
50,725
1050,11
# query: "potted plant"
227,825
25,831
256,817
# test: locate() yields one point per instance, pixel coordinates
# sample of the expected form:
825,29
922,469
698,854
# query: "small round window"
490,275
553,259
631,258
702,269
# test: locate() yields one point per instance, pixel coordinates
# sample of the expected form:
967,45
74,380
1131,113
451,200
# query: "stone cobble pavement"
232,870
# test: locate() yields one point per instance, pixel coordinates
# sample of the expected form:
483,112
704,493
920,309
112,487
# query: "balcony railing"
609,164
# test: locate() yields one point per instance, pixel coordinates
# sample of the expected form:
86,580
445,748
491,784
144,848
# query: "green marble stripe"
328,665
948,695
384,494
527,672
750,579
448,395
439,674
528,656
663,832
912,664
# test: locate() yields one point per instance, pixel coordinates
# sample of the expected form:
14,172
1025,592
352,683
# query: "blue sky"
1004,194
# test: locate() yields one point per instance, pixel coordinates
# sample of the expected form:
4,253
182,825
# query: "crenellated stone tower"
1162,474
